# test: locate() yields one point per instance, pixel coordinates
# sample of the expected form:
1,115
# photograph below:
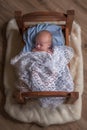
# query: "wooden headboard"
63,19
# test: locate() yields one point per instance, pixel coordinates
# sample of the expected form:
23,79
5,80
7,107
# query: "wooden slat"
44,16
47,94
20,96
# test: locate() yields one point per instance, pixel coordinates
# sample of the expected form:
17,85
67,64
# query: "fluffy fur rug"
31,111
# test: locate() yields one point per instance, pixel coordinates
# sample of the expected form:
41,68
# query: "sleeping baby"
45,69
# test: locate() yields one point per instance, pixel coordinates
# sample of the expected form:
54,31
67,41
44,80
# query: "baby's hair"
44,31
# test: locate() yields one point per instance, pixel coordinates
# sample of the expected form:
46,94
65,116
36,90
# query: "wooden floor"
7,8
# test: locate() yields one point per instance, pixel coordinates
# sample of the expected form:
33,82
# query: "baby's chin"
41,49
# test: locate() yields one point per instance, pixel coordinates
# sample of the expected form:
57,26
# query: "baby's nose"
38,46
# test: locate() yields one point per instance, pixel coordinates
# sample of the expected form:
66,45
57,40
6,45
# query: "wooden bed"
31,19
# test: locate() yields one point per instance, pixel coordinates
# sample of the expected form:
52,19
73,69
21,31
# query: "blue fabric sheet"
30,33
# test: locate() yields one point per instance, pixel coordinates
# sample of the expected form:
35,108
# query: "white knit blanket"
32,111
42,71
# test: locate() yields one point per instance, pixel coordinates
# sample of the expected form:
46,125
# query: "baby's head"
43,40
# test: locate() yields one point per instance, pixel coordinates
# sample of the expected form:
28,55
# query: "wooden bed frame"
27,20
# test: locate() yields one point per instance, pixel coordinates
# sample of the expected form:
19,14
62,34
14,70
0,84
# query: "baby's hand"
50,51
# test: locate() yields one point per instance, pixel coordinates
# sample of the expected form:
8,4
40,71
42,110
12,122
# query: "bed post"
70,18
69,21
18,17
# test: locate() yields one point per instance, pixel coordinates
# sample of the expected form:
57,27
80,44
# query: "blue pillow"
30,33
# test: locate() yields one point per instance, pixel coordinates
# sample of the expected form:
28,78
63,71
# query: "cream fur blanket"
31,111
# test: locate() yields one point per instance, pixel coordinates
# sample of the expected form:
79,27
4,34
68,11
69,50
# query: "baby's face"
43,41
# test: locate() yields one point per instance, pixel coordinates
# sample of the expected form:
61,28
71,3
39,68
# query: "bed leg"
72,97
18,97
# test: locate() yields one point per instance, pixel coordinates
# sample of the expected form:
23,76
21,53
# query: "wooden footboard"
21,96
